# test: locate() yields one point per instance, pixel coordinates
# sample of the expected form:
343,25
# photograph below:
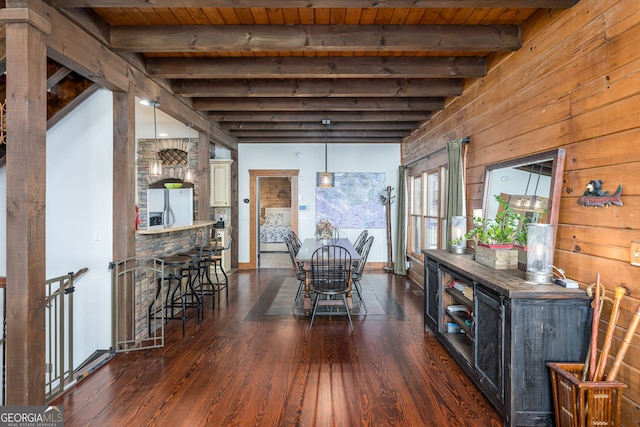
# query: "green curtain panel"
455,185
400,255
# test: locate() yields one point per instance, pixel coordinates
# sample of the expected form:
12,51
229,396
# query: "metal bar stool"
177,296
201,264
216,261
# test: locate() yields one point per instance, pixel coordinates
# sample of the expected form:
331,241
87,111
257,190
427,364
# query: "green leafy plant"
502,231
476,234
522,233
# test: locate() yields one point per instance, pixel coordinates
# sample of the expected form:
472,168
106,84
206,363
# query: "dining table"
305,254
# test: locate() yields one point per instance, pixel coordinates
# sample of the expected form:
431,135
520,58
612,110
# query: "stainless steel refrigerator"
169,207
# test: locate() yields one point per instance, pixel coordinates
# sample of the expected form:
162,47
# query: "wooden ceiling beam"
317,116
318,67
317,87
319,134
298,140
315,38
57,76
375,4
276,126
72,47
315,104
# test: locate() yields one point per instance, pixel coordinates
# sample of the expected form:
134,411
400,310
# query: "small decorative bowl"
173,185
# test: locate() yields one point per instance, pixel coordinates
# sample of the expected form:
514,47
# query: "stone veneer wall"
170,243
149,246
159,245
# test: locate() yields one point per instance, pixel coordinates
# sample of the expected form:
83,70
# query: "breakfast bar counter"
169,229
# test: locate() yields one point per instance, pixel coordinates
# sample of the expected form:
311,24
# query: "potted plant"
475,235
494,240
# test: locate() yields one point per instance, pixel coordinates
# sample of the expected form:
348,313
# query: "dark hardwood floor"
241,369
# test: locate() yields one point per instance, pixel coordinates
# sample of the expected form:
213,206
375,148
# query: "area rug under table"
278,300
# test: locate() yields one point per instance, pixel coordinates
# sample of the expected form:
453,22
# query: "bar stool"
201,264
179,269
216,261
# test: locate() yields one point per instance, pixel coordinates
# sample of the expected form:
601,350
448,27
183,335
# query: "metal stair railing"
135,288
58,335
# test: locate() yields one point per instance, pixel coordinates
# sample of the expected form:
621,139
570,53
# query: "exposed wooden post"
124,179
26,184
203,176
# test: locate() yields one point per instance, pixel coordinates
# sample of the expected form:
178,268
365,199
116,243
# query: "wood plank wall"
275,192
575,85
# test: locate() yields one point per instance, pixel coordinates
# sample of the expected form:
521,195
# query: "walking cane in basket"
590,363
625,346
613,320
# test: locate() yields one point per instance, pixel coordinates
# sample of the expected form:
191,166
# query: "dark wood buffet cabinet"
503,331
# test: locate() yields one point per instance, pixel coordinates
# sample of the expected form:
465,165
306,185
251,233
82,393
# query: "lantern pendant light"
325,179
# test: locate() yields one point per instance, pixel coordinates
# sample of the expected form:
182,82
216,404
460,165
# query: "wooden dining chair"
358,269
330,277
295,240
360,240
298,269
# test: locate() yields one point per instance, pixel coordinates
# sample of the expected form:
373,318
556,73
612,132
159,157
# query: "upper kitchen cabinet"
220,182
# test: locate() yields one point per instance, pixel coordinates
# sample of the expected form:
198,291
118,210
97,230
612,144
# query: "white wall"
79,215
340,158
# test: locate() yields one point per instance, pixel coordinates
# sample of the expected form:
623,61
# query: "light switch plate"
634,255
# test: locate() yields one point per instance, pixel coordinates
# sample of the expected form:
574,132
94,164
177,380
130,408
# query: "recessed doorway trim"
254,174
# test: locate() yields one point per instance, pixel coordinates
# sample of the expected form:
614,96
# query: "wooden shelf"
460,319
462,343
459,296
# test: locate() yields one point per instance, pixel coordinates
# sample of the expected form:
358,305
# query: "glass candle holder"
458,230
539,253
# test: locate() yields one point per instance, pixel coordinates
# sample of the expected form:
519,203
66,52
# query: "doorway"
273,211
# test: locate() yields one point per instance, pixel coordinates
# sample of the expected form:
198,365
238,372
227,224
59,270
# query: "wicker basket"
584,403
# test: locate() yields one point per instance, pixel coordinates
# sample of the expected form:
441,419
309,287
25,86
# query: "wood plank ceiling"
376,69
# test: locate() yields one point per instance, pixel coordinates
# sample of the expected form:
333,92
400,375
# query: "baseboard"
96,360
375,265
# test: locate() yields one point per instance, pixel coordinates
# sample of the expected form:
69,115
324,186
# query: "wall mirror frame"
532,184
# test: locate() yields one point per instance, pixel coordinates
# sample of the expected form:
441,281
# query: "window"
415,224
427,215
